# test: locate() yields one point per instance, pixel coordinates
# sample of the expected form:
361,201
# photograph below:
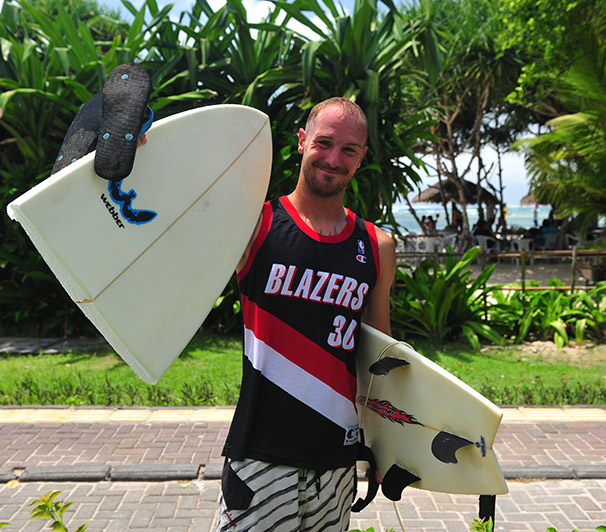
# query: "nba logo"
361,256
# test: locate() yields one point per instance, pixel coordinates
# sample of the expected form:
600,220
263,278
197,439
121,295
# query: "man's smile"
330,169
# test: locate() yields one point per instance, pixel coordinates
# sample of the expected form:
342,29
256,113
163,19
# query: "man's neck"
325,216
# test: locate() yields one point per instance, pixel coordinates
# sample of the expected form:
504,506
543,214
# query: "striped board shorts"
261,497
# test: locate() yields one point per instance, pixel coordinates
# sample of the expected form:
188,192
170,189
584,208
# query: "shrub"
440,301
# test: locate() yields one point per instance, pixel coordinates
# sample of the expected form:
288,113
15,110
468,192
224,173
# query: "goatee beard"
324,190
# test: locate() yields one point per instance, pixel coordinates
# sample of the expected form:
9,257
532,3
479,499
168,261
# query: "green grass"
208,372
516,374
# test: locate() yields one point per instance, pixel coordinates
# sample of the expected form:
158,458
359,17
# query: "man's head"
333,144
348,108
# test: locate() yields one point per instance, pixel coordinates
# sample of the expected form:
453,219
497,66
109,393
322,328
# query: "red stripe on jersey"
301,351
374,243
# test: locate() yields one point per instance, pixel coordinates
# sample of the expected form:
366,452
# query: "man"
311,273
457,217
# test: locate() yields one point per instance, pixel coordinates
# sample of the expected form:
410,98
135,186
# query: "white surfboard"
420,419
146,259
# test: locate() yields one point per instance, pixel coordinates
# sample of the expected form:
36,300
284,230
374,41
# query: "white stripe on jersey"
298,383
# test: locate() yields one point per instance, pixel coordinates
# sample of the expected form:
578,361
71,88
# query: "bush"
550,314
440,301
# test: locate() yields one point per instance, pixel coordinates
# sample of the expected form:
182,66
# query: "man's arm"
378,309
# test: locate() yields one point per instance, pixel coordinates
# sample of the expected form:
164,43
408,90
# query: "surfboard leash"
372,376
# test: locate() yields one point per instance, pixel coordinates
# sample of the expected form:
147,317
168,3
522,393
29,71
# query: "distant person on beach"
491,214
548,232
457,217
502,224
312,272
482,227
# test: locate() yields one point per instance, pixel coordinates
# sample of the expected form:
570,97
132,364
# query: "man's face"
332,151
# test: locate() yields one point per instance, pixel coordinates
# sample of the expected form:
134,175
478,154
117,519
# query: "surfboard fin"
386,364
395,480
445,445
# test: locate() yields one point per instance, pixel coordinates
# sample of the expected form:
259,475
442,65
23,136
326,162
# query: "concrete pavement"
158,469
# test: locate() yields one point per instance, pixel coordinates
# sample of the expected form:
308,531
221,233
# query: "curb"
154,473
91,473
119,473
212,471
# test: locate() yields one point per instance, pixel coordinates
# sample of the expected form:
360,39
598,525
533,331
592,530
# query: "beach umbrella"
446,191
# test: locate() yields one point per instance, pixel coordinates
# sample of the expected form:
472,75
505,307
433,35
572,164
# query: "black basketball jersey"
302,297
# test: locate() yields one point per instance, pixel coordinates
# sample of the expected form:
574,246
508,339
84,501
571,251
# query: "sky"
514,174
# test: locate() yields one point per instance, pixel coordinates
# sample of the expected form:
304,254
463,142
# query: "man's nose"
333,157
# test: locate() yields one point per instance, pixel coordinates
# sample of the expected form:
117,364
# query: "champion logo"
352,435
361,256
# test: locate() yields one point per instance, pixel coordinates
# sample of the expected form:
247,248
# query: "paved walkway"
158,470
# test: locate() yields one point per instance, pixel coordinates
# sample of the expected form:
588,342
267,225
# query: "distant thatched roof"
446,191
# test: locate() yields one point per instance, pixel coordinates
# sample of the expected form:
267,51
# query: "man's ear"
364,151
301,140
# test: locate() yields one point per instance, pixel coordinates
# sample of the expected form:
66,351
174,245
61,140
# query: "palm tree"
468,78
567,166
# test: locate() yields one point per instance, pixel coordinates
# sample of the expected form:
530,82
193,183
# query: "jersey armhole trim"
267,215
374,243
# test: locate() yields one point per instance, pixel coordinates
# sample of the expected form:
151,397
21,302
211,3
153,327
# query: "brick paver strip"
54,444
518,445
191,507
551,443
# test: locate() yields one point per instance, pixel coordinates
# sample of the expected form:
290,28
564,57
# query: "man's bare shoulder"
386,243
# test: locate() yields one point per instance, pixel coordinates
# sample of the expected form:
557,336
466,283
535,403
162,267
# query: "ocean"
518,216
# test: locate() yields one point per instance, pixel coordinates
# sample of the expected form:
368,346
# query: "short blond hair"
347,106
